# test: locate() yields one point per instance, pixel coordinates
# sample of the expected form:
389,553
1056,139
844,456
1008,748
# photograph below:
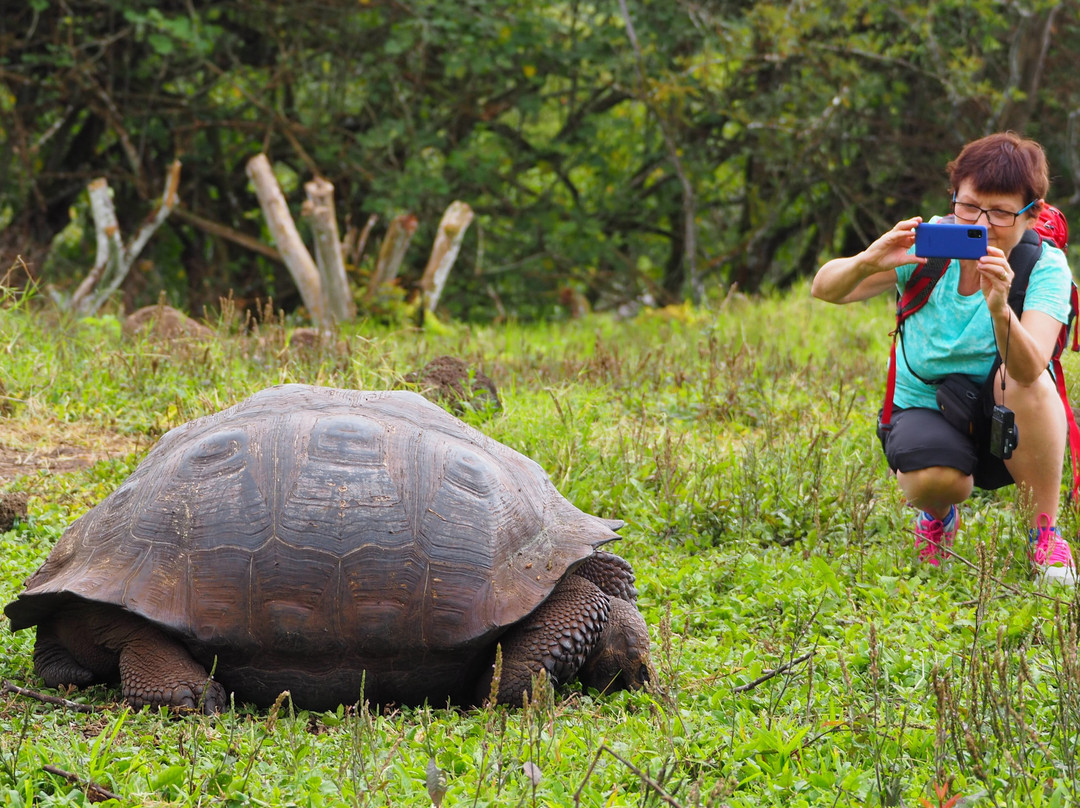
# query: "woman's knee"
936,483
1039,395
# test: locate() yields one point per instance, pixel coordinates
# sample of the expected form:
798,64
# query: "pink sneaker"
934,537
1050,553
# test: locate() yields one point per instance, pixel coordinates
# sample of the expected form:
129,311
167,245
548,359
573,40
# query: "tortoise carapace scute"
339,544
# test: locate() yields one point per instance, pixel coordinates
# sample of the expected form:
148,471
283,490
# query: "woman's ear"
1033,213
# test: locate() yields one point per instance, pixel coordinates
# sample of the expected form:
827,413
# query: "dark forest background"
610,150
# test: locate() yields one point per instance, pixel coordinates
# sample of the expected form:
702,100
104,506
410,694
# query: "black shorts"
920,438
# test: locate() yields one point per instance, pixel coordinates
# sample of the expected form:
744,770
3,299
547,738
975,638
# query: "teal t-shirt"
953,333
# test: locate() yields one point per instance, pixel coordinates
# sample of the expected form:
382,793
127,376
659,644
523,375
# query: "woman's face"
1003,237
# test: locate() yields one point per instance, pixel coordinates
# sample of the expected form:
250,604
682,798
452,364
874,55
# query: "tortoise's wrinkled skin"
341,545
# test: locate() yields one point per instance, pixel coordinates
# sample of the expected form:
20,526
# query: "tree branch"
44,698
227,233
93,791
650,782
770,674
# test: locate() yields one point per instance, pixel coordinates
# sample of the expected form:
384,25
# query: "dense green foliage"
671,150
760,519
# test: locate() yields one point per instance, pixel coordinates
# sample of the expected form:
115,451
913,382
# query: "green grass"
737,442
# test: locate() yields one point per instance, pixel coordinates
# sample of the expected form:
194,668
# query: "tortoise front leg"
611,573
556,638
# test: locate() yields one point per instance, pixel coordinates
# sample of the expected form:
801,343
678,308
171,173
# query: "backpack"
1052,228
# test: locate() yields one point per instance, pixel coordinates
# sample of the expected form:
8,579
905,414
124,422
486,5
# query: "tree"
699,145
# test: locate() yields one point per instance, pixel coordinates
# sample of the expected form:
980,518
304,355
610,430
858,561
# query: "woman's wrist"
865,267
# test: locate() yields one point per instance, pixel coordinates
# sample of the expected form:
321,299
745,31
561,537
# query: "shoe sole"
1059,575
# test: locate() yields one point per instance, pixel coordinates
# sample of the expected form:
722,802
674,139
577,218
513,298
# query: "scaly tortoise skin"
341,545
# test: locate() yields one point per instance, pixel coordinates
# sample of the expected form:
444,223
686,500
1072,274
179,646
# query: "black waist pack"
959,399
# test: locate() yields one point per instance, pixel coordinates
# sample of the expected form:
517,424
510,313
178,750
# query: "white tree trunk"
329,255
109,246
113,261
392,252
288,241
444,252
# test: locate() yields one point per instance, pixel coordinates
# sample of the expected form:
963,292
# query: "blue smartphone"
940,240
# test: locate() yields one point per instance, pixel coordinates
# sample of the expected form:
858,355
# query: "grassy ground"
803,658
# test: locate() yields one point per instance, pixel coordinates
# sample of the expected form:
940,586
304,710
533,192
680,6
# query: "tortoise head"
620,659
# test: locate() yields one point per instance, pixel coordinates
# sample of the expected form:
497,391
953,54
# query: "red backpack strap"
1074,430
916,292
885,421
1059,378
1074,307
918,288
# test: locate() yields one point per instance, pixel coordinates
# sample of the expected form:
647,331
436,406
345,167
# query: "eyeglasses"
998,218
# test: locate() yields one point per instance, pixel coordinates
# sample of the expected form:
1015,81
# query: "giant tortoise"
341,545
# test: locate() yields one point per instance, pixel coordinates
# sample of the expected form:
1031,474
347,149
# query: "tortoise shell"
329,542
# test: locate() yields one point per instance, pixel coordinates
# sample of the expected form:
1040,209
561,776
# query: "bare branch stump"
283,229
444,252
329,255
398,237
113,261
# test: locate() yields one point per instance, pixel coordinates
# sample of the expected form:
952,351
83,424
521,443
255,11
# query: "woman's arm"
871,272
1027,342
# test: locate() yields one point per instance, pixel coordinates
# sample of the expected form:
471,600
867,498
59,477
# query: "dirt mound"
450,380
164,323
12,509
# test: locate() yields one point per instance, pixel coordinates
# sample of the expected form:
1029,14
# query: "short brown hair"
1003,163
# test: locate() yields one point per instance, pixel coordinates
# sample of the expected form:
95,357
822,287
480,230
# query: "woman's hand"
892,249
871,272
995,279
